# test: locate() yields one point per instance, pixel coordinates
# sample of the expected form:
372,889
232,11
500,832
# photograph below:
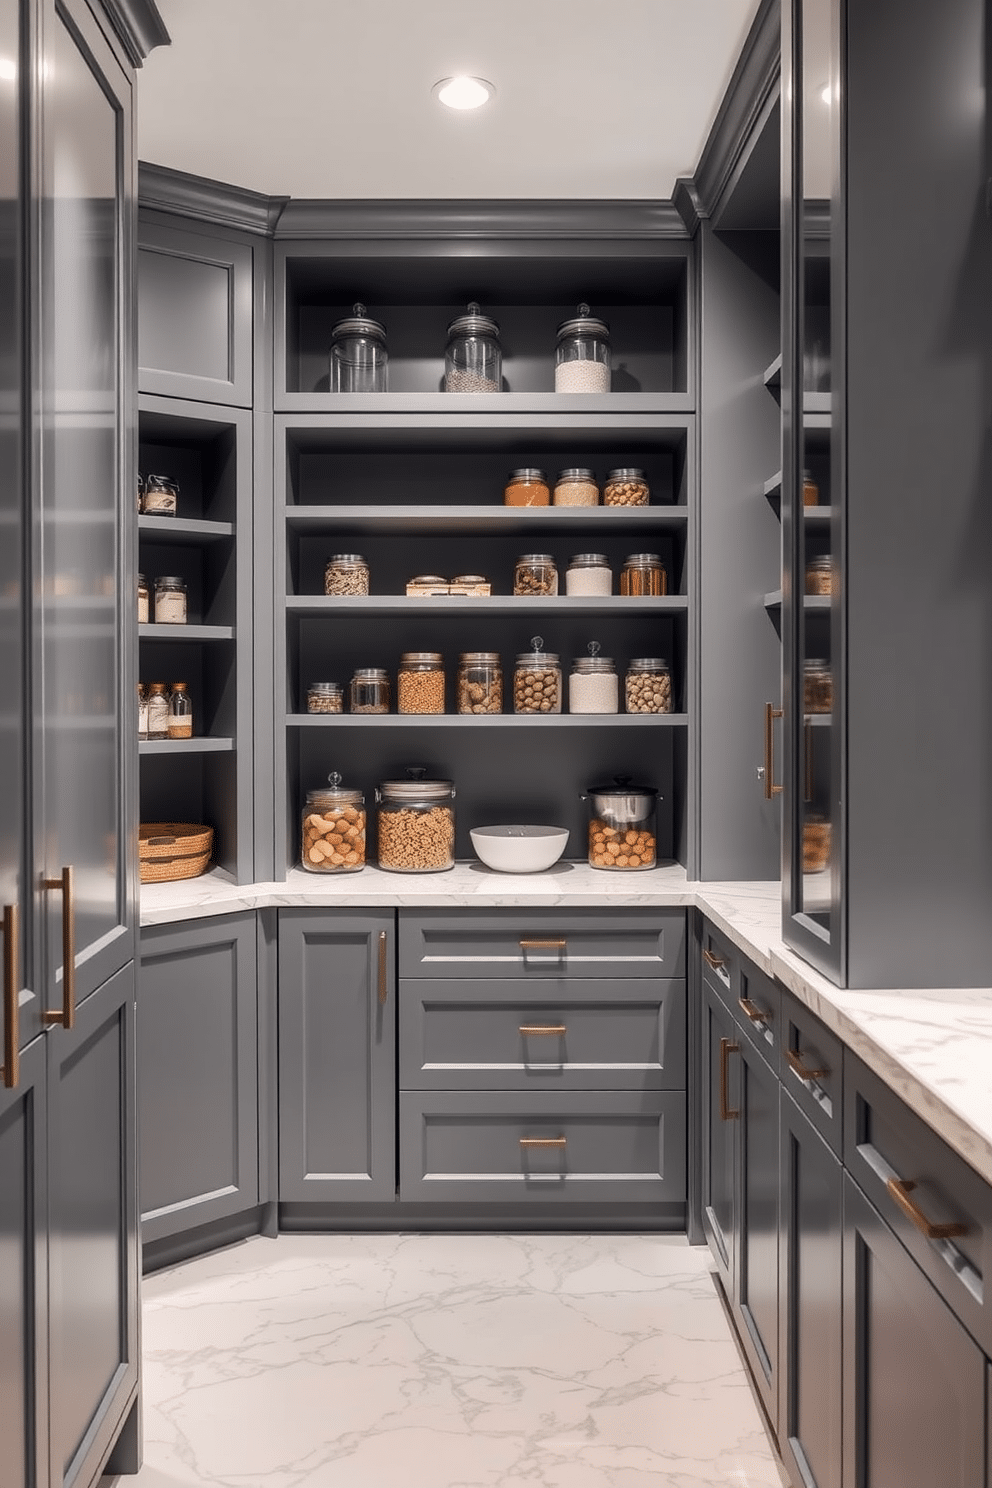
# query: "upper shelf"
399,605
153,632
486,408
182,530
505,520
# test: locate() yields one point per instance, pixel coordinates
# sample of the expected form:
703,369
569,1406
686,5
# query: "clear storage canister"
648,685
144,602
180,725
576,487
480,682
626,487
622,833
527,487
643,574
333,834
170,601
473,360
820,575
582,356
593,687
537,680
346,573
816,843
158,711
818,686
416,824
159,496
535,573
589,573
142,712
359,360
369,691
420,684
324,697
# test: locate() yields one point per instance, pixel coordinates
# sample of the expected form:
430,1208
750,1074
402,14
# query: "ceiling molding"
139,26
755,81
482,220
686,202
167,190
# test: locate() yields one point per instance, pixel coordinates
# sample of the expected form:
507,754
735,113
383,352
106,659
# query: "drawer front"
553,1035
528,944
595,1147
915,1181
758,1010
721,964
812,1070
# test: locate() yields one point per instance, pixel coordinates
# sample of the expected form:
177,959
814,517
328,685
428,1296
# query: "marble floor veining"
446,1361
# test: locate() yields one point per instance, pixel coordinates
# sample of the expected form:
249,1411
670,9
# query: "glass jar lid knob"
359,310
334,779
594,648
583,309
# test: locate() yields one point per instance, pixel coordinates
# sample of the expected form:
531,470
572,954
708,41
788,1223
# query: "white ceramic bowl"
519,849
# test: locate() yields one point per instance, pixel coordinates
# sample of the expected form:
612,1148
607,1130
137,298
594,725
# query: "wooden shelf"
494,720
185,530
502,520
382,606
185,746
154,632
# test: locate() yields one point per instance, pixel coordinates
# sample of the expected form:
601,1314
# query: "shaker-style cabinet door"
756,1282
720,1051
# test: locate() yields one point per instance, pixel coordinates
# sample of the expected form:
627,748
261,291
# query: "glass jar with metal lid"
582,356
420,683
820,575
159,496
359,360
180,725
535,574
593,687
576,487
369,691
622,832
480,682
416,824
142,712
537,680
643,574
333,834
648,685
170,600
589,574
626,487
473,360
324,697
345,574
144,601
158,711
527,487
818,686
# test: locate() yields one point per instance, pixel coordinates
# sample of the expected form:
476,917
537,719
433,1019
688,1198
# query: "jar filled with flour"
582,356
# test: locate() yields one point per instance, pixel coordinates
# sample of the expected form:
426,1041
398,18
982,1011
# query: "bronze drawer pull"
67,1013
771,789
536,1028
557,944
11,1070
803,1070
900,1189
716,962
542,1141
753,1011
382,968
727,1047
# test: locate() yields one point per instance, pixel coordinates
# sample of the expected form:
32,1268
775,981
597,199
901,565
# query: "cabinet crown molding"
139,26
754,82
166,190
481,220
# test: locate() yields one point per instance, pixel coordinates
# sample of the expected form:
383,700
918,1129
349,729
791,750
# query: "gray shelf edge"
506,604
341,405
193,528
153,632
497,720
671,514
185,746
773,601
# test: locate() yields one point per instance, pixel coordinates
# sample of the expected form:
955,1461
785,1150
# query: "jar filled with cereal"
333,834
420,683
537,680
324,697
346,574
622,832
416,824
576,487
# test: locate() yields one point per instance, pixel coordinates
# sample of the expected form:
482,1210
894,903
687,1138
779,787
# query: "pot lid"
621,786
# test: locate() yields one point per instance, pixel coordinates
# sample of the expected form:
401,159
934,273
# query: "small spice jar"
537,680
333,835
820,575
816,843
420,684
480,682
622,833
144,603
527,487
811,491
142,712
170,601
643,574
818,686
158,711
416,824
359,360
589,574
593,687
369,691
159,496
576,487
535,573
626,487
324,697
346,573
473,360
180,725
648,685
582,356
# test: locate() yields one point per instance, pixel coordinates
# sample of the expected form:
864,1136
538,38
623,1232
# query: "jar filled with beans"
416,824
527,487
420,683
643,575
622,832
480,682
346,574
333,836
537,680
576,487
535,574
369,691
324,697
626,487
818,686
648,685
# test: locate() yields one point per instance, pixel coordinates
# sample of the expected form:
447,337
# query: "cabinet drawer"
812,1059
528,944
890,1152
553,1035
603,1146
753,998
721,964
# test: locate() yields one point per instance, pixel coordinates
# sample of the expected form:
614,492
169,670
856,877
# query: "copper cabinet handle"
556,944
771,713
717,962
11,1069
67,1013
727,1047
382,968
753,1011
542,1141
803,1070
537,1028
900,1189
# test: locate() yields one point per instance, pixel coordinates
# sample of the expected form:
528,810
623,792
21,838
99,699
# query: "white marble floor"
446,1361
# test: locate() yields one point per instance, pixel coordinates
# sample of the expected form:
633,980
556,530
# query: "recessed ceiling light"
8,69
463,92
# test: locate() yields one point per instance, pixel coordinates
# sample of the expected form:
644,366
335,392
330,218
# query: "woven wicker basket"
173,850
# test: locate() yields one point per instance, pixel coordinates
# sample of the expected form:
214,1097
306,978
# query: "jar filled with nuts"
622,825
535,574
480,682
527,487
818,686
420,683
626,487
643,575
345,574
416,824
369,691
648,685
816,843
333,829
324,697
537,681
576,487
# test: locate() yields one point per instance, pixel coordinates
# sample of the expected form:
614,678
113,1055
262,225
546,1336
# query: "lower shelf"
186,746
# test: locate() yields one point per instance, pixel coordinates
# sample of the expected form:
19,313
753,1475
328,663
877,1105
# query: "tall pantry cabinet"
68,1199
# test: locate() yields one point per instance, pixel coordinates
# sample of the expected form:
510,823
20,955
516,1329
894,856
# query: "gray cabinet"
720,1043
197,1074
337,1056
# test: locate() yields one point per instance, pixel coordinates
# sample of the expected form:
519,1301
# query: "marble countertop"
930,1046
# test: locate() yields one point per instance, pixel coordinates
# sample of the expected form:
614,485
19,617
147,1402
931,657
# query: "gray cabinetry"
720,1042
198,1074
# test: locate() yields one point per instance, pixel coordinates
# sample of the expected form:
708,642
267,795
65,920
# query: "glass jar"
589,574
141,488
345,574
333,833
359,361
626,487
473,361
648,685
420,684
480,682
576,487
537,680
643,574
158,711
622,832
816,843
416,824
324,697
811,491
180,724
582,356
142,712
369,691
159,496
527,487
535,574
170,601
593,686
818,686
144,602
820,575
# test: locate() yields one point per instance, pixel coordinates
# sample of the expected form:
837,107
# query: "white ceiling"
332,98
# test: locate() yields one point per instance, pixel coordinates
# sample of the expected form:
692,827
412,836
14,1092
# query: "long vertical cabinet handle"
383,942
727,1047
67,1013
11,1070
771,713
